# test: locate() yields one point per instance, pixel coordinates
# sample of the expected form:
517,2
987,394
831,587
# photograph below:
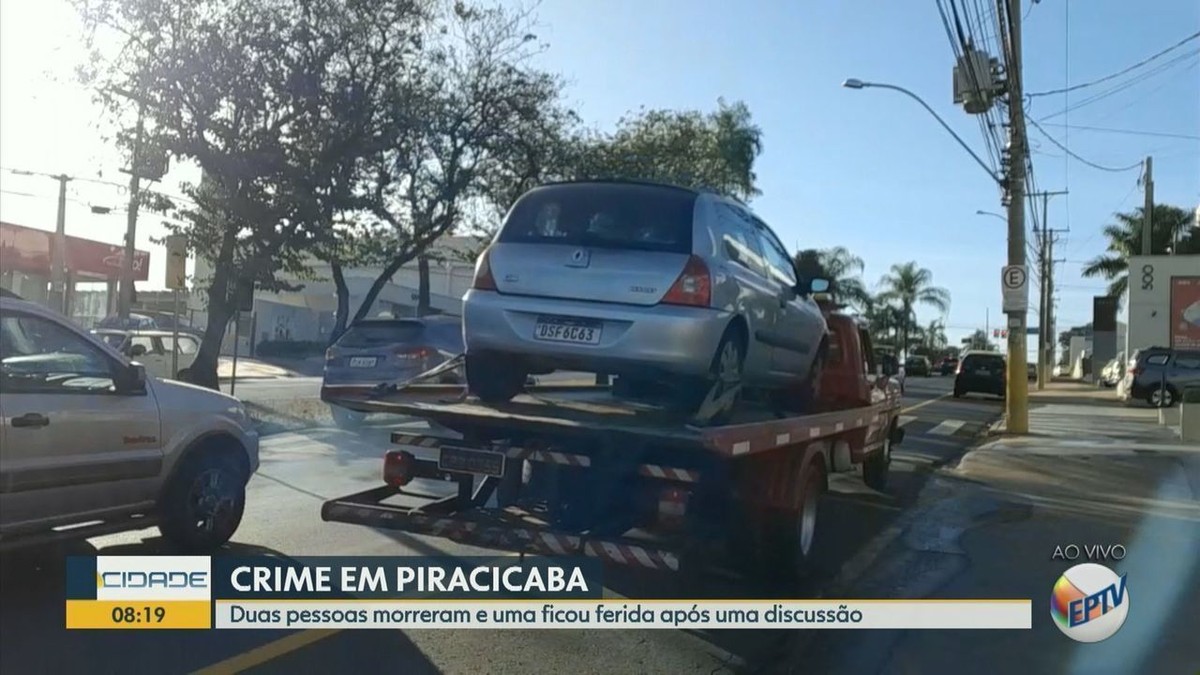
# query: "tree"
714,151
274,101
1172,229
909,285
979,341
840,267
932,337
476,88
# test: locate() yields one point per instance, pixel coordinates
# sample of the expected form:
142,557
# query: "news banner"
196,592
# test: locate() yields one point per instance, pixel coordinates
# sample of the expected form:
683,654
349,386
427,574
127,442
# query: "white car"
87,440
152,349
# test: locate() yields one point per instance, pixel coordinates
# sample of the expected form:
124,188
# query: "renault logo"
578,256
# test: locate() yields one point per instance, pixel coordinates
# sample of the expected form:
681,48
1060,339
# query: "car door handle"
31,420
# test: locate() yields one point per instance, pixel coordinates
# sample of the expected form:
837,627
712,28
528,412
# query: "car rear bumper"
980,385
633,339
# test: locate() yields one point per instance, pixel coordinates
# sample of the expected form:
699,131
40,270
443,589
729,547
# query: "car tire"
348,420
493,380
959,393
725,372
184,375
1162,396
202,505
875,468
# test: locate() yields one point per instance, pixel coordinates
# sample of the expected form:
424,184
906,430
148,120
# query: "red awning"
30,250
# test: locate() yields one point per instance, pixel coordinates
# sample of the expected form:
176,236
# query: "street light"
854,83
992,214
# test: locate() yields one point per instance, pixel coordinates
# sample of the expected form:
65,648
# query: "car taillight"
693,287
414,353
398,467
1135,371
484,281
331,354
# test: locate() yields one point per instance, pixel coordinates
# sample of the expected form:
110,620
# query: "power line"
1157,70
1117,74
1130,132
1081,159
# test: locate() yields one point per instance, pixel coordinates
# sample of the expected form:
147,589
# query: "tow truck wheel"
790,544
875,469
493,380
203,504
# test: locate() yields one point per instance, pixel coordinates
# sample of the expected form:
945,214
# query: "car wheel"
958,393
1161,397
493,380
725,374
184,375
348,420
203,504
875,468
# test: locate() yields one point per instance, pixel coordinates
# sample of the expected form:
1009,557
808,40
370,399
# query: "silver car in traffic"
643,281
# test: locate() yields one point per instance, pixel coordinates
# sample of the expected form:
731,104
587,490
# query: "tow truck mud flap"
508,529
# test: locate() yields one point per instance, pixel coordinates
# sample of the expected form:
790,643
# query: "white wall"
1149,304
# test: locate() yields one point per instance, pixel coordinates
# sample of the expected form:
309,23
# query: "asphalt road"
301,470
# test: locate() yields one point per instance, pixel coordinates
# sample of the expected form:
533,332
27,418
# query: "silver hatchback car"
647,282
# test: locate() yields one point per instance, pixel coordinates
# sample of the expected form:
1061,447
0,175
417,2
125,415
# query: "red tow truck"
575,470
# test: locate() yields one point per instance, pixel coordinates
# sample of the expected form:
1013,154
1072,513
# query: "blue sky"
869,170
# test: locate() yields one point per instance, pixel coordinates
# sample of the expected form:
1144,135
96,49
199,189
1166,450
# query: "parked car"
947,365
152,348
646,282
918,366
92,445
131,322
1158,375
378,351
981,373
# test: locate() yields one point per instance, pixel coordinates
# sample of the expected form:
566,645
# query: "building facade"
1164,302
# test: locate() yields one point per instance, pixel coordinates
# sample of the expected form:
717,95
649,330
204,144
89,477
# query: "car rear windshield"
993,363
602,215
377,334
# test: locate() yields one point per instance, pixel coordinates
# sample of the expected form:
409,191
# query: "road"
300,470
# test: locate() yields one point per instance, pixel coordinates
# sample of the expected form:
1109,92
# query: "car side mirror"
131,379
818,285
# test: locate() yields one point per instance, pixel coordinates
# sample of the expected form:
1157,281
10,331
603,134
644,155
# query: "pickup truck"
90,445
578,470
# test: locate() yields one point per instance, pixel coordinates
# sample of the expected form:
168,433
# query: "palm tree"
841,267
909,285
1172,229
934,336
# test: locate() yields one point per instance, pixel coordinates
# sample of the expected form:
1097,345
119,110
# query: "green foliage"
1171,224
843,270
714,151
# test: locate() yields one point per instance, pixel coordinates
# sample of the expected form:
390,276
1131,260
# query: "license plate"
362,361
983,371
467,460
575,331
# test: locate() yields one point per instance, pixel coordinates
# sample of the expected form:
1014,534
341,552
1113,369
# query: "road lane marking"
264,653
907,419
947,428
922,404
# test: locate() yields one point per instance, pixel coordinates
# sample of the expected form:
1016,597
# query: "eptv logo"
1089,602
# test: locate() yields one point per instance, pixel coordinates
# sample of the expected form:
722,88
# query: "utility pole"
58,272
1017,400
125,299
1046,294
1148,214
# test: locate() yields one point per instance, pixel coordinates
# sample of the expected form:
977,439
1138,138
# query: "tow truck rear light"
693,287
672,506
398,467
484,281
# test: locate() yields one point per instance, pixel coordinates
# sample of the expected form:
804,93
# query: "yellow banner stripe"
139,614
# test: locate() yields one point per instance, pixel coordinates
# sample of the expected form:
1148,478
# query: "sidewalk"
1091,471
